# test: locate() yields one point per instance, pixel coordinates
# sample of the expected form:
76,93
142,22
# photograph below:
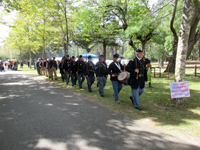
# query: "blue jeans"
62,76
136,94
117,86
73,79
81,78
90,82
67,76
102,84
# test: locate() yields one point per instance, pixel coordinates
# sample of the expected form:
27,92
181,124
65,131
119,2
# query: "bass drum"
124,77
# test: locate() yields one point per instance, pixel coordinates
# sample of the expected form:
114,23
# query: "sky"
4,30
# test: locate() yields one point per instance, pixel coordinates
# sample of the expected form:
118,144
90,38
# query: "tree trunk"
192,54
143,47
188,17
20,54
29,57
115,50
43,53
150,53
112,51
77,51
65,49
162,61
199,48
172,60
122,49
67,31
104,49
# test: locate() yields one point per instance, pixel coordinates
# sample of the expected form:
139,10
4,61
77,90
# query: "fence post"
154,72
160,72
195,70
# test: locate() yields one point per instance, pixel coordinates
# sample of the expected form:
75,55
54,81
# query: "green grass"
157,110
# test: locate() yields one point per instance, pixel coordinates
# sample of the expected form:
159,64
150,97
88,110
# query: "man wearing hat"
114,69
137,69
38,66
101,74
89,73
79,70
67,68
73,70
53,68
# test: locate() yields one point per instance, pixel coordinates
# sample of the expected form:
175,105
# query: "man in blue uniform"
89,73
67,68
73,70
79,70
137,69
101,74
114,69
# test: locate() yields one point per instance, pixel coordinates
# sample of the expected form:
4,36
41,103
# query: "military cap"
73,57
89,57
139,50
54,57
67,55
101,55
80,56
116,55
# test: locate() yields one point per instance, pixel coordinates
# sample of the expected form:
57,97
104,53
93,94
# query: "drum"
123,77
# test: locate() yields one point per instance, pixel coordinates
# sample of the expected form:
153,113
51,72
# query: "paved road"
37,115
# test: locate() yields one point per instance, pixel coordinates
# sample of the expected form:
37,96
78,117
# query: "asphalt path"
37,115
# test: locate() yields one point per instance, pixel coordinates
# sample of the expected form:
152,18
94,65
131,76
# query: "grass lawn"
158,112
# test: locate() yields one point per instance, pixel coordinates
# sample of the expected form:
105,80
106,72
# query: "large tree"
194,36
190,11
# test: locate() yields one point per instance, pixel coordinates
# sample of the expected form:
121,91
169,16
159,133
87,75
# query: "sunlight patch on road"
49,104
15,83
67,96
73,104
49,144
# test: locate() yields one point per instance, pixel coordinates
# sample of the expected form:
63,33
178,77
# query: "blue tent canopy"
85,56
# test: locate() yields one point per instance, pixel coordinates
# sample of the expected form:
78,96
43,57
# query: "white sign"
179,89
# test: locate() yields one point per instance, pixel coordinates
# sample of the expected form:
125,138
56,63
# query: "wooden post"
160,72
195,70
154,72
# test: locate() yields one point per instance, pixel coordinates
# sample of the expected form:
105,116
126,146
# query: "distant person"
11,65
38,66
53,68
101,74
1,67
21,64
28,63
66,68
73,70
61,67
79,70
89,72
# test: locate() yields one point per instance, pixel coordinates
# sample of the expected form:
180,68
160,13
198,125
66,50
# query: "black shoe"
138,108
102,96
131,99
56,79
80,87
72,85
90,90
